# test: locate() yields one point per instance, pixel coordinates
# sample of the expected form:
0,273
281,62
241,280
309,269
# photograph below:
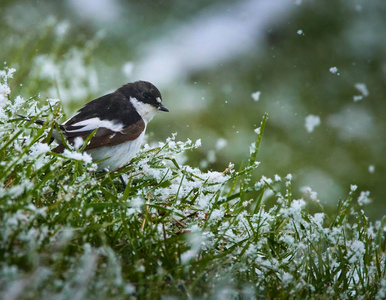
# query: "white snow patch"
38,149
357,98
357,251
309,192
312,121
78,142
52,101
216,215
256,96
334,70
78,156
197,144
362,88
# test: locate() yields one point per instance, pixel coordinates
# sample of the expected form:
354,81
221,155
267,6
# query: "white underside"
118,156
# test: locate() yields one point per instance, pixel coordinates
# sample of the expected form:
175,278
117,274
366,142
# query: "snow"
127,69
4,90
286,278
371,169
62,28
194,239
216,177
74,78
363,198
39,148
137,202
216,215
17,103
78,156
212,37
357,98
197,144
53,101
100,12
221,143
256,96
318,219
312,121
334,70
78,142
312,194
357,251
362,88
257,130
300,32
129,289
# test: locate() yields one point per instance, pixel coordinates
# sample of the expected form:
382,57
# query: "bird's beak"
162,108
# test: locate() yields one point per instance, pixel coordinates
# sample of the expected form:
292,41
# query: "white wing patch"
94,123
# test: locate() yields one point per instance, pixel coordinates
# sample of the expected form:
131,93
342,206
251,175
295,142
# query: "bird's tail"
39,122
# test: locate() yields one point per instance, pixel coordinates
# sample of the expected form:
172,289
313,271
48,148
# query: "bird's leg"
123,181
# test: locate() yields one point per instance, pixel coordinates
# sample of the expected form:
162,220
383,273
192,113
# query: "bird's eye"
145,95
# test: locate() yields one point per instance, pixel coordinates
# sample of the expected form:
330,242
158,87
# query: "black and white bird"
120,119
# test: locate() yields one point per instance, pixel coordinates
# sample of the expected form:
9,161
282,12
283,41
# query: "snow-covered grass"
68,232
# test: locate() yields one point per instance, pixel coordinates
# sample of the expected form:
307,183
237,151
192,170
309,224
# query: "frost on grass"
311,122
85,157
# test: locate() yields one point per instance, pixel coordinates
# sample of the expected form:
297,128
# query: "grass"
68,232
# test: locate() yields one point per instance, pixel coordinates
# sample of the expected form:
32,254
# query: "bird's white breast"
118,155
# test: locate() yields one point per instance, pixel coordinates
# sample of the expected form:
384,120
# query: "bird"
119,119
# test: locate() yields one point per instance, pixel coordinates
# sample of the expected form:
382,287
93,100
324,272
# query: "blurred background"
317,67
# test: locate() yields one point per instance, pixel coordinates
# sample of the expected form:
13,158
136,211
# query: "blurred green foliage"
291,70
